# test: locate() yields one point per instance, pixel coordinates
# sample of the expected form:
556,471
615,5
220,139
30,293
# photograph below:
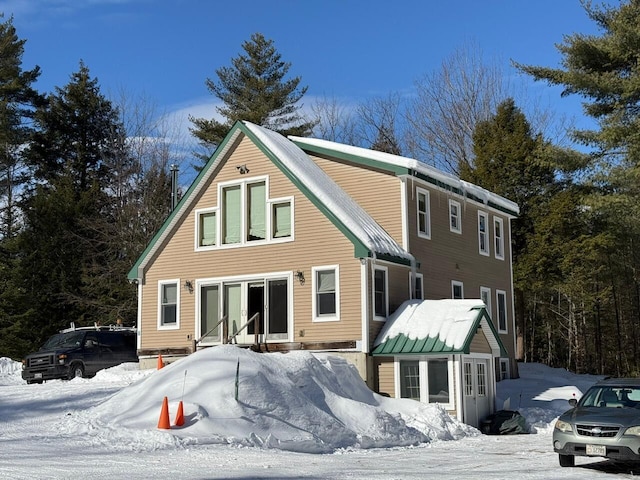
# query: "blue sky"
344,49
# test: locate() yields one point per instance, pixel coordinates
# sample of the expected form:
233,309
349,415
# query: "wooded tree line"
85,182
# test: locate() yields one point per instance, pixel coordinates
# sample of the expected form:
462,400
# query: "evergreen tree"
72,268
254,88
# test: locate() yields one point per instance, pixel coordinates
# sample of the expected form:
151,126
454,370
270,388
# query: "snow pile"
10,372
297,402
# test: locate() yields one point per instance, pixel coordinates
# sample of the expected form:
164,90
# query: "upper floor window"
168,301
245,214
326,299
380,293
457,289
455,222
483,234
498,248
501,300
424,214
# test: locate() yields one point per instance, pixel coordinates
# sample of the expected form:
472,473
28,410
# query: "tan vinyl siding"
317,242
377,192
479,344
448,256
386,376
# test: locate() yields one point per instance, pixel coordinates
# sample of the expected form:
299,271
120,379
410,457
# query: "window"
168,301
482,379
207,228
501,300
498,238
416,287
424,220
380,293
245,215
455,223
483,240
485,296
256,203
438,378
468,379
210,313
504,368
457,289
281,219
326,304
410,379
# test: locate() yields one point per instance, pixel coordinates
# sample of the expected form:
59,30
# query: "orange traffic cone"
164,421
160,362
179,416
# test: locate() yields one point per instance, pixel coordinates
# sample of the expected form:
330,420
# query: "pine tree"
254,89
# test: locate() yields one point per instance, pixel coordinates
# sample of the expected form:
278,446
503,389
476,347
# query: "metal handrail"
223,319
246,325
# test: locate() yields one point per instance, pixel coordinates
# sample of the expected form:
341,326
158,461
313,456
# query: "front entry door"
241,302
477,392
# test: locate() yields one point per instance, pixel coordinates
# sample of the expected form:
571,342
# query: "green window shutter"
282,220
231,214
207,229
257,205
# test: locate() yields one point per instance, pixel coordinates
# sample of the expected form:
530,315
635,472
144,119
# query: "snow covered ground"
298,416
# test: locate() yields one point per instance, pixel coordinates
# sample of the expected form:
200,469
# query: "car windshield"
611,396
63,340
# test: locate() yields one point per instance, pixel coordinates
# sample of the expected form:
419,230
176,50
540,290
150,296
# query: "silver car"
604,423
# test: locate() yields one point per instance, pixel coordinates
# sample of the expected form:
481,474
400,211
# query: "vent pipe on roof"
174,186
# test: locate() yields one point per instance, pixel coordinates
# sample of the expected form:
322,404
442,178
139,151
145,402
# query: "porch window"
455,223
168,314
210,313
380,293
483,234
501,300
326,293
438,375
468,379
410,379
482,379
424,214
498,249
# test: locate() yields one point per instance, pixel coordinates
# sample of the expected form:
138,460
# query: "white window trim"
487,251
498,240
455,283
386,292
325,318
427,234
198,213
506,312
457,204
487,290
269,219
161,283
424,378
411,289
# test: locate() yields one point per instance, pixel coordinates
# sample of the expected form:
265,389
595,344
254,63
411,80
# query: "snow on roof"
449,320
421,167
350,213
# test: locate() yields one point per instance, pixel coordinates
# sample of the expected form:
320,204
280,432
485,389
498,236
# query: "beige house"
297,243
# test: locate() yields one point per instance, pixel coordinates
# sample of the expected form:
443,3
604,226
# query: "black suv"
80,352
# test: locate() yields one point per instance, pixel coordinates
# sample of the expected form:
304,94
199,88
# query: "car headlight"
563,426
633,431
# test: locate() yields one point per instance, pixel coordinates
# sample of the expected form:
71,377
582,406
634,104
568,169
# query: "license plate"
598,450
37,375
